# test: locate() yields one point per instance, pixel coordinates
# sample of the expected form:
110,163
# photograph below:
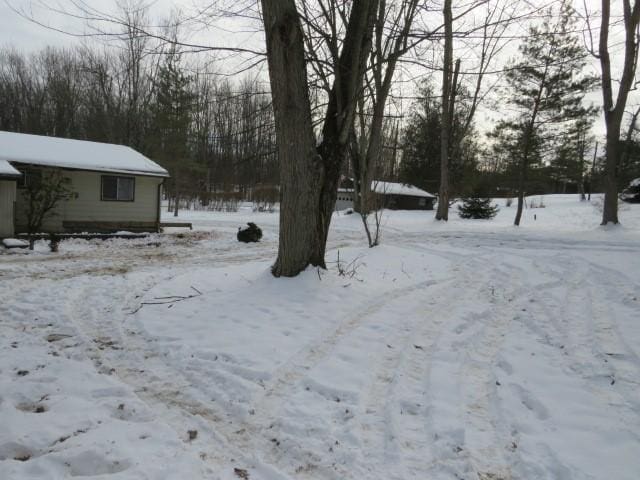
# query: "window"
118,189
422,202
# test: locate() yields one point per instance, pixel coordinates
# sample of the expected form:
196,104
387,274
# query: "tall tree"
421,146
613,112
310,173
547,87
570,163
497,19
172,118
449,81
390,42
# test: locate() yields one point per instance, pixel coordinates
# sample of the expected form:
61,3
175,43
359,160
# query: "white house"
114,187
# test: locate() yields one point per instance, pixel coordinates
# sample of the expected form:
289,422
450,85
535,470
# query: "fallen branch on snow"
171,299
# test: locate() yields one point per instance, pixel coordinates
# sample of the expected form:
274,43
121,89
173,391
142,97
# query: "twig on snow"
170,300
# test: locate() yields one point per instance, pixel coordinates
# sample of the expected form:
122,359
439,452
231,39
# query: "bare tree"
309,174
499,16
613,112
449,81
391,41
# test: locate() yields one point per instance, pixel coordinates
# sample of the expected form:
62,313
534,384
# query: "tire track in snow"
162,387
172,396
473,329
609,343
257,429
394,409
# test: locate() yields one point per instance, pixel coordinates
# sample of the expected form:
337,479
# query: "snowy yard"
471,350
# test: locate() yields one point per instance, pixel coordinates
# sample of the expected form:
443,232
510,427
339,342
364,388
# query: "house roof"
6,170
77,154
391,188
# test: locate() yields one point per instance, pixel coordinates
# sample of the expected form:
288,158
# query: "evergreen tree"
477,208
546,91
569,164
421,146
172,118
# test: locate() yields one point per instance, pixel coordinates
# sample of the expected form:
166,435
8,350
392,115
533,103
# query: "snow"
635,182
392,188
62,152
471,349
7,170
14,243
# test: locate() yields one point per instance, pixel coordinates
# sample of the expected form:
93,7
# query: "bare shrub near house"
43,193
373,203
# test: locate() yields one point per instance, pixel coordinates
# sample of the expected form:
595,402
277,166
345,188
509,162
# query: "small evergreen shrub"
477,208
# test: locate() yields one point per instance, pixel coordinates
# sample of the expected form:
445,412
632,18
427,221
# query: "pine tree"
172,118
477,208
547,87
421,145
569,163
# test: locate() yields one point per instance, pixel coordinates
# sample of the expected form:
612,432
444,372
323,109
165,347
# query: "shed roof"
6,170
78,154
391,188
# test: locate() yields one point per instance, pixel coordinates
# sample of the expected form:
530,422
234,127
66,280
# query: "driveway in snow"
473,351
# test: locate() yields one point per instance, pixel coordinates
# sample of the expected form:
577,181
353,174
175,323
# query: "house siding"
88,208
344,200
407,202
7,200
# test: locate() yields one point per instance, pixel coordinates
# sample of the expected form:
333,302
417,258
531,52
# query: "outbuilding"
631,194
391,195
113,187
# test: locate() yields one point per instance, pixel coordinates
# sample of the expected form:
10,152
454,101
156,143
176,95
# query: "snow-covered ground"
467,350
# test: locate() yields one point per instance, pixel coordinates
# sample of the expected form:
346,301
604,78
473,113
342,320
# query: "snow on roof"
80,154
635,183
391,188
7,170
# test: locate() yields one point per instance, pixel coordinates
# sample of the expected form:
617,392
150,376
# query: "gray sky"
29,36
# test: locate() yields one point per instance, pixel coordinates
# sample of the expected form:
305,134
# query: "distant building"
115,188
631,194
394,196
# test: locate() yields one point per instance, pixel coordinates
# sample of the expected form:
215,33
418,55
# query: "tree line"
215,137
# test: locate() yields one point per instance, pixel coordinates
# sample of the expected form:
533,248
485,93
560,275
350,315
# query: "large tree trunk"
309,177
301,170
610,209
613,112
445,131
339,117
